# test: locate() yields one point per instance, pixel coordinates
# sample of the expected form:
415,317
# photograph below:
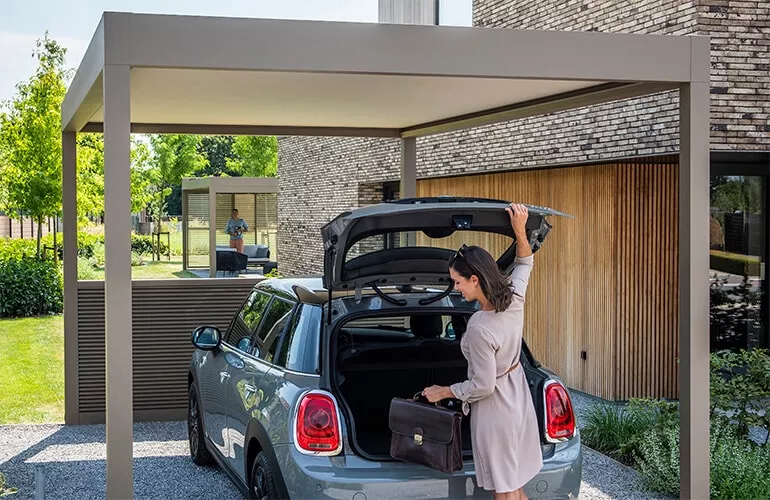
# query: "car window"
247,320
270,332
299,348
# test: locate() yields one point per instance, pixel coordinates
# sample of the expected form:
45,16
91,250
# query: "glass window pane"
247,320
737,257
270,331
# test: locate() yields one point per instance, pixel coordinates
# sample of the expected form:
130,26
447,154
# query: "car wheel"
262,481
200,455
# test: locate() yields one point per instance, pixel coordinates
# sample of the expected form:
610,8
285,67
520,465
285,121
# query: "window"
246,321
270,332
299,350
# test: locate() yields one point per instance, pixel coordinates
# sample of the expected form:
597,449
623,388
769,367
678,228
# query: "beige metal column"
694,276
408,186
212,229
117,280
70,244
185,214
408,11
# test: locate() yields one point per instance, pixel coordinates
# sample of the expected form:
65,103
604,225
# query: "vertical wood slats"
164,314
604,282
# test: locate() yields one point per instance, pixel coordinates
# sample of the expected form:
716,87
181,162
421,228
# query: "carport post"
212,229
70,243
694,275
185,215
408,186
117,279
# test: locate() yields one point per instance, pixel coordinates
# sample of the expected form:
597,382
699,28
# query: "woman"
504,429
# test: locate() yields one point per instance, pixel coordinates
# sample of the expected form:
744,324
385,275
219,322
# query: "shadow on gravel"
72,460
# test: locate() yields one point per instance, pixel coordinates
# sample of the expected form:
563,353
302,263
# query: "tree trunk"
55,247
39,230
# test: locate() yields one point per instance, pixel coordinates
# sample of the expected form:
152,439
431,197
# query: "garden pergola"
211,199
203,75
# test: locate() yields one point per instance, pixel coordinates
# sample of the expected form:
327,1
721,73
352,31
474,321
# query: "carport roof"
261,76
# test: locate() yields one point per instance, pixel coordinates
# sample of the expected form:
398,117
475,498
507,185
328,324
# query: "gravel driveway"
73,460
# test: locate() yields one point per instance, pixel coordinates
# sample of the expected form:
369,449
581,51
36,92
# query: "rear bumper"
352,477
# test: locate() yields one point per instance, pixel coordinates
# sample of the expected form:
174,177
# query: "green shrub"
738,466
734,263
30,287
86,270
87,242
142,244
617,432
658,459
16,248
98,257
136,259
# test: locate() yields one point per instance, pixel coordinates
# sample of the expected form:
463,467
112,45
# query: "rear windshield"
495,244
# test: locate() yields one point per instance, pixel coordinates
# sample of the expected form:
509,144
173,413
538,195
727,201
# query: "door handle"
223,375
249,390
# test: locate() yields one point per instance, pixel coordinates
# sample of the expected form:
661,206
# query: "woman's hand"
519,215
436,393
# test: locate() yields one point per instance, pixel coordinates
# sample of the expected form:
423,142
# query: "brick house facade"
319,177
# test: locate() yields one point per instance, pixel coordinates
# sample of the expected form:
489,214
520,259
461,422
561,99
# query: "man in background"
235,228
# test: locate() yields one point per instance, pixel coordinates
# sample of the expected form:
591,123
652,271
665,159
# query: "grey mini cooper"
292,400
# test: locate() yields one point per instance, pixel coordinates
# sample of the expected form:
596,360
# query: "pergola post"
70,254
212,229
694,336
185,214
408,186
117,279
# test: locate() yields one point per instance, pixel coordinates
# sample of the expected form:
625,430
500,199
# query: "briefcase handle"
417,396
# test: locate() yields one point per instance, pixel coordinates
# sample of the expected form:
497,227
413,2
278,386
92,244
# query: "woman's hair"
473,260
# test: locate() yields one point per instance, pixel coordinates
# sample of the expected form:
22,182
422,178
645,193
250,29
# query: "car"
292,399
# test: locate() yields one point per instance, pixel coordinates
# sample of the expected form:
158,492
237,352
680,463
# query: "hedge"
735,263
30,287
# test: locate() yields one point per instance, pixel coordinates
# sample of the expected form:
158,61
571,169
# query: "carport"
203,75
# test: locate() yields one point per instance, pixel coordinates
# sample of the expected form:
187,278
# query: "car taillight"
559,417
317,425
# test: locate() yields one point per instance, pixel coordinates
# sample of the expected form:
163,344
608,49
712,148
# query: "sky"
72,22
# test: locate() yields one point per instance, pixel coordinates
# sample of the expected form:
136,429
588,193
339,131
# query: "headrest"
426,326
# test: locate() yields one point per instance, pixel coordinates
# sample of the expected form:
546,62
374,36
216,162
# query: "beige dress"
504,429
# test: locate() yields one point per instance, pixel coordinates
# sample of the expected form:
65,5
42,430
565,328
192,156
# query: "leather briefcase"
426,434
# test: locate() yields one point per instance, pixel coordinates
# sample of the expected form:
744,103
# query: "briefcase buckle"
418,439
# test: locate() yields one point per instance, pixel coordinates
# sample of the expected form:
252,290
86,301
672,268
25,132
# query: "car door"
295,368
249,390
237,340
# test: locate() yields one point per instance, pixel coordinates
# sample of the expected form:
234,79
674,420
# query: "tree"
254,156
141,163
90,178
30,139
173,157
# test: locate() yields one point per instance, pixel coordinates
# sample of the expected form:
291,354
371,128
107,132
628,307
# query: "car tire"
196,436
262,479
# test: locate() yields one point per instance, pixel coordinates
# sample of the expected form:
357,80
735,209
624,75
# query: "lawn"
32,370
158,270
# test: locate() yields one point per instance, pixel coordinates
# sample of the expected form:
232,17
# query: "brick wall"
328,172
319,177
740,72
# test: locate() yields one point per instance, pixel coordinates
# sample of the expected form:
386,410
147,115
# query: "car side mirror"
207,338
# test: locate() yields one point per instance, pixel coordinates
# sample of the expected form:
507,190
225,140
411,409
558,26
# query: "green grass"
32,370
157,270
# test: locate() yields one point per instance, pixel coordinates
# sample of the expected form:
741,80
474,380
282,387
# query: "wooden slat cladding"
593,288
648,278
164,314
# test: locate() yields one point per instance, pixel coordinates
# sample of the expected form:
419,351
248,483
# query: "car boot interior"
378,360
